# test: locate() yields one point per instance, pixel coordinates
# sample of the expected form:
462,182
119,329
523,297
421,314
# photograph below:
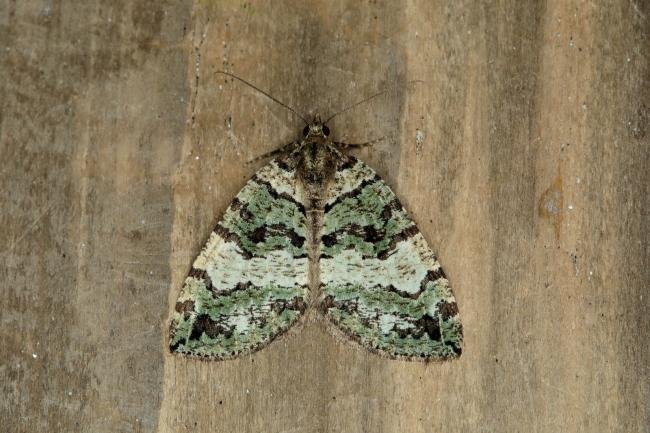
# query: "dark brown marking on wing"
185,307
278,195
447,309
229,236
347,162
352,193
260,234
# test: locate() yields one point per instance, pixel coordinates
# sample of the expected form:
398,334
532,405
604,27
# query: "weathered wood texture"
120,148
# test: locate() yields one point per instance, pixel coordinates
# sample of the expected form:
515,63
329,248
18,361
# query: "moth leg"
274,152
357,145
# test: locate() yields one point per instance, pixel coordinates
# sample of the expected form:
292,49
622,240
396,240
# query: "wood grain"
121,147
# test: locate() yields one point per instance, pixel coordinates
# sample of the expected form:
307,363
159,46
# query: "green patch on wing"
364,210
241,301
391,343
385,321
227,346
377,300
251,317
279,215
452,331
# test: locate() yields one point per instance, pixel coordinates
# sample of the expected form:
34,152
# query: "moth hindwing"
316,229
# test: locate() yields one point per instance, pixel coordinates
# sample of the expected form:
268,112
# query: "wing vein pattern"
381,283
250,282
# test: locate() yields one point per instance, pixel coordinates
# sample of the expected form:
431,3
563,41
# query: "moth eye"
326,130
305,130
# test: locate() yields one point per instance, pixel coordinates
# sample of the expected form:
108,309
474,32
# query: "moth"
316,229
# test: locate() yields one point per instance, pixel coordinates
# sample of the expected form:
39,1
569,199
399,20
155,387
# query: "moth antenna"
369,99
263,93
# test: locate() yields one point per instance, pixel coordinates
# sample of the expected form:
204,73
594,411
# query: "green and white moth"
316,229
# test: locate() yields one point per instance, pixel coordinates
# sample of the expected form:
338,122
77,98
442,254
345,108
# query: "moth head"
316,129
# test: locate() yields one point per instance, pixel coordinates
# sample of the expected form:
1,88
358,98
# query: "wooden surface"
120,148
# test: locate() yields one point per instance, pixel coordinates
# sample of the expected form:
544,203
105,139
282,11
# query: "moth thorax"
317,163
